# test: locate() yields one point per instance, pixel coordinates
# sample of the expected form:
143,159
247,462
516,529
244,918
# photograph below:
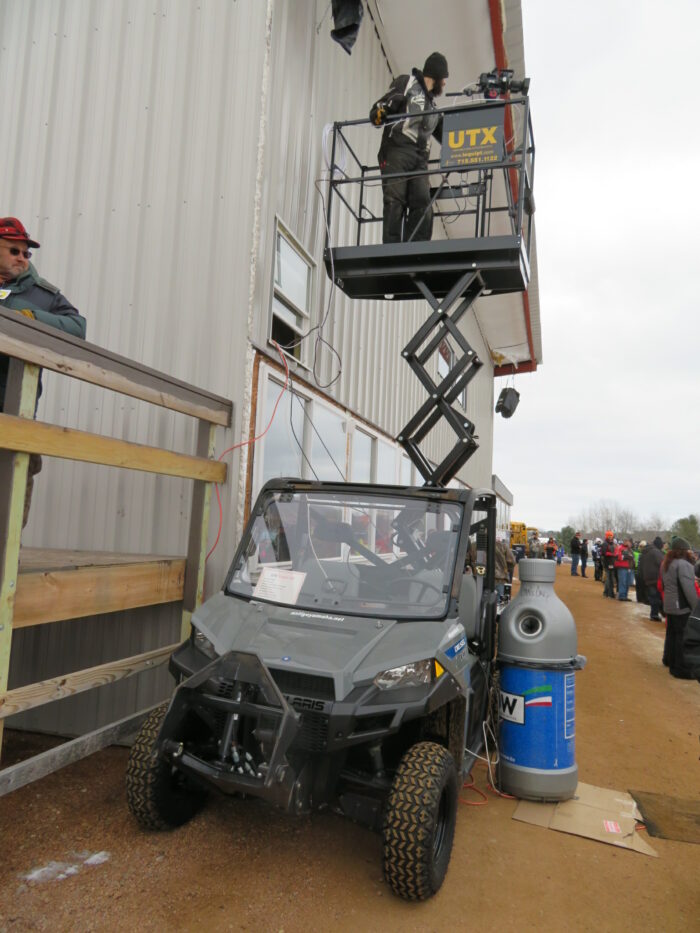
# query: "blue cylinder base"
537,733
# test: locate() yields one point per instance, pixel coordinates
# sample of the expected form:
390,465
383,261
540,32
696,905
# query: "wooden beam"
52,596
46,346
20,398
39,438
33,695
199,533
40,765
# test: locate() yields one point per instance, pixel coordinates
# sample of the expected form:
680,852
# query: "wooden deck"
54,585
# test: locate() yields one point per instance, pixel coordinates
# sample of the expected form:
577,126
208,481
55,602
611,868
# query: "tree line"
594,521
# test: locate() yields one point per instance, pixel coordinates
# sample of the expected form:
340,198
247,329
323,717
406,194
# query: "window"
406,471
313,439
386,464
446,361
328,444
361,464
291,295
282,452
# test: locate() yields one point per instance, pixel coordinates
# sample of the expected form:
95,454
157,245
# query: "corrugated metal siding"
315,83
132,159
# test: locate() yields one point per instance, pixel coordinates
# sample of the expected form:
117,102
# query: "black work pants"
407,205
673,644
609,589
654,599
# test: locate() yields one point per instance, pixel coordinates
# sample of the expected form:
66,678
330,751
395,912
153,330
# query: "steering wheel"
395,582
334,585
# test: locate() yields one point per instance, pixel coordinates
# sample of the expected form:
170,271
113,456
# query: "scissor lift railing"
491,201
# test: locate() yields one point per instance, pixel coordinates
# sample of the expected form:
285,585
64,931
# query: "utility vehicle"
345,664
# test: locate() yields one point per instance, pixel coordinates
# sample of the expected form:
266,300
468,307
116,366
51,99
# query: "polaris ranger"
345,663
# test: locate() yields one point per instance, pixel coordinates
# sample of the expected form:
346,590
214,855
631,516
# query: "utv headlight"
408,675
204,645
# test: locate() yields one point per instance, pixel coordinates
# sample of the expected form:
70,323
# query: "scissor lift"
493,202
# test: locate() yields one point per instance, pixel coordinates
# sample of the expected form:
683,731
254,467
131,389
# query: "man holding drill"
23,290
405,149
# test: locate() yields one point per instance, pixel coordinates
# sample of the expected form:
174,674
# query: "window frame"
277,293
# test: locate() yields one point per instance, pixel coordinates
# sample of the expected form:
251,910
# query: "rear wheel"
419,821
158,795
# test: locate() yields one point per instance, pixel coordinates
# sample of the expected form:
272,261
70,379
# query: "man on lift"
405,149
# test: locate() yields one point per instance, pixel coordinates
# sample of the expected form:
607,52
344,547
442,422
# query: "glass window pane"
281,453
405,471
361,458
280,310
386,463
330,431
302,551
445,359
292,273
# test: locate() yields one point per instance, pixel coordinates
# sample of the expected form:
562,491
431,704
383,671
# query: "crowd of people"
666,577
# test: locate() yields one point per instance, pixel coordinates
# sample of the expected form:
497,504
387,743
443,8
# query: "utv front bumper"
249,726
294,715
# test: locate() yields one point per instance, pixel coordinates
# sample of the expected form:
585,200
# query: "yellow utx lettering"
456,140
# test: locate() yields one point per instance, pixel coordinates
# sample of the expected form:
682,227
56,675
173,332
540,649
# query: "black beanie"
658,542
435,66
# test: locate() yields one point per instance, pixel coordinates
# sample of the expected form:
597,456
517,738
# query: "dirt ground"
73,859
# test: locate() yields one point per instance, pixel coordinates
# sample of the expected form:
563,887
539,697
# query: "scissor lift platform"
391,270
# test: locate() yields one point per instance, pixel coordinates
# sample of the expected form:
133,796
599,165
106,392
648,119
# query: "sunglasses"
16,251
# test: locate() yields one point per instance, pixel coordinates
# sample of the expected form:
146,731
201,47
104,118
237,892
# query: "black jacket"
607,552
575,545
650,564
408,94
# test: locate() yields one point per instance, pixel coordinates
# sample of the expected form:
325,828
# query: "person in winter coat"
608,554
584,556
639,587
550,548
405,149
503,566
680,599
624,567
575,548
23,290
597,559
649,568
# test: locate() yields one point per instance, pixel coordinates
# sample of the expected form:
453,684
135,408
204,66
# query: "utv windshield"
365,554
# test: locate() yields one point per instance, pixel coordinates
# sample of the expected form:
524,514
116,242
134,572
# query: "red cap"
13,229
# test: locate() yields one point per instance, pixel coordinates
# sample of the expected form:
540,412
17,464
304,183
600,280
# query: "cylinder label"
537,716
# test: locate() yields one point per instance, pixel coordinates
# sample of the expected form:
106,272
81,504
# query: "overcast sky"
614,411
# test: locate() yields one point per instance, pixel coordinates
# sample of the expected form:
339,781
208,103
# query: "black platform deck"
392,269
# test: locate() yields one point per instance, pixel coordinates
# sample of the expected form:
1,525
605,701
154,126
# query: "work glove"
27,313
378,114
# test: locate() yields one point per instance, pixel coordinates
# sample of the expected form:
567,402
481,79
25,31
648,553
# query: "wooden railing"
31,345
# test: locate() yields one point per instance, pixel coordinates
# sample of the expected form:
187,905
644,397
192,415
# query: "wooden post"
199,533
20,399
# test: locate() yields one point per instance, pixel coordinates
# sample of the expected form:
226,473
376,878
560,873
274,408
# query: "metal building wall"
313,83
153,144
132,158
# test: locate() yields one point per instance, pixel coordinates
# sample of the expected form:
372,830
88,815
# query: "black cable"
291,425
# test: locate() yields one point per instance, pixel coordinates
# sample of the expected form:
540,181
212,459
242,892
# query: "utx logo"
511,706
456,139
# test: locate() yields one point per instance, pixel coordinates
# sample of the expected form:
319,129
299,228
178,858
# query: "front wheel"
158,795
419,821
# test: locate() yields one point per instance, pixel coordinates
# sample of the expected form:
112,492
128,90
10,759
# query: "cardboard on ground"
594,812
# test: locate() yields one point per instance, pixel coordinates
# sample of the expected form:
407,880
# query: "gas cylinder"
537,658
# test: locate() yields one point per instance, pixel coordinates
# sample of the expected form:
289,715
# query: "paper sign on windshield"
279,586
